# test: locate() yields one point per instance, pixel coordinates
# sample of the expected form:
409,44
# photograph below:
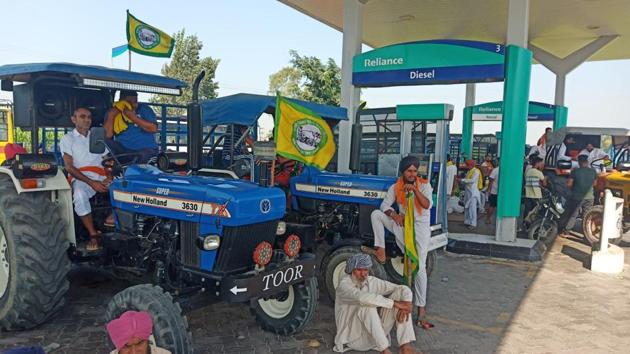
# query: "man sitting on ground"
358,299
85,171
133,127
131,334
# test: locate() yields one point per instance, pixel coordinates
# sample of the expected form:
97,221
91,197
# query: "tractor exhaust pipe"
195,131
355,144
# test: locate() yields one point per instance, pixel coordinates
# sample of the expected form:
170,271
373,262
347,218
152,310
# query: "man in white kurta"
472,195
368,308
387,218
595,155
85,169
451,172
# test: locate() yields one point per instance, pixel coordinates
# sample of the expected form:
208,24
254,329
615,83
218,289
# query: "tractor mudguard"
252,285
62,197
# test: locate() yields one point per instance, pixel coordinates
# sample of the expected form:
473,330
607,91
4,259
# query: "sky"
252,39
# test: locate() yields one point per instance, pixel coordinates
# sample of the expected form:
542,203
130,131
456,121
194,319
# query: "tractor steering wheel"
111,163
606,162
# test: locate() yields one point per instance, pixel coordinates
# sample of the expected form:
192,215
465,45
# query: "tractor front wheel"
170,327
288,312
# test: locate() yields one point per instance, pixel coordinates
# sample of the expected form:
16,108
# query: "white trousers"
472,202
81,194
378,327
380,222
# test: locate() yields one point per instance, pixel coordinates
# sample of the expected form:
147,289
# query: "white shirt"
593,155
451,171
494,176
78,146
390,199
562,153
472,184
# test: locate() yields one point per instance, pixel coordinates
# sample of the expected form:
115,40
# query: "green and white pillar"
514,123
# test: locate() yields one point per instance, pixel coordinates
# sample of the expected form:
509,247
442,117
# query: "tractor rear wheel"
394,267
33,259
592,222
334,267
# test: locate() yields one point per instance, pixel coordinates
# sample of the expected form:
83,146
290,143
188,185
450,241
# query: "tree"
185,65
308,79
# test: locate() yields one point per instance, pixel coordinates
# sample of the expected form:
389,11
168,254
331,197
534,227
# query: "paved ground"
479,305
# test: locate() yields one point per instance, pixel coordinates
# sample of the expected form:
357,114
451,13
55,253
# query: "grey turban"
408,161
358,260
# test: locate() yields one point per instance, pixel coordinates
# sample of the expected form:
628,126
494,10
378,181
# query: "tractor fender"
60,193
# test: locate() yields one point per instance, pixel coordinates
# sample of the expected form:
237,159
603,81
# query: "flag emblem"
308,136
147,37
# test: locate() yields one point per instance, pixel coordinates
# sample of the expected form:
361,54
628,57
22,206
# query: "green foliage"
185,65
308,79
24,137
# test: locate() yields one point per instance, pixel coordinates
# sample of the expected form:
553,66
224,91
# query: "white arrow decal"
235,290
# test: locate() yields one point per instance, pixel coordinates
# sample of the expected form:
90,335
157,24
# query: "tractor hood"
147,190
351,188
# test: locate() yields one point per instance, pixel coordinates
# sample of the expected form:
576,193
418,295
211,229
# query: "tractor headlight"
559,207
617,193
211,242
282,228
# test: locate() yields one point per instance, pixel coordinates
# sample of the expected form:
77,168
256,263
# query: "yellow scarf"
470,175
120,120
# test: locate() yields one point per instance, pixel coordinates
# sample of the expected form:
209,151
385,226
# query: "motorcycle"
544,217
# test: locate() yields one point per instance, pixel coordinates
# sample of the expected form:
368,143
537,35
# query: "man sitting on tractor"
595,155
132,126
85,172
387,218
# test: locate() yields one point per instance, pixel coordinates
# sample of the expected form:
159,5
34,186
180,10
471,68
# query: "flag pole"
129,59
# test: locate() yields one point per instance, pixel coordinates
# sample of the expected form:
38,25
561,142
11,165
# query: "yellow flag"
302,135
147,40
412,263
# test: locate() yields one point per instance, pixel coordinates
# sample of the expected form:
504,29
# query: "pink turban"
470,163
129,325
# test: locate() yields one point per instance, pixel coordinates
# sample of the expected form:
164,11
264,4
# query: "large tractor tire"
288,312
592,221
170,327
394,267
334,265
33,258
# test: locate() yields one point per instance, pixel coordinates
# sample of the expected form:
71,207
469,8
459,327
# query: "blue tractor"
194,237
332,210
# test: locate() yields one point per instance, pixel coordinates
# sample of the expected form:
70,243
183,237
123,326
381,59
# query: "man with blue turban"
359,299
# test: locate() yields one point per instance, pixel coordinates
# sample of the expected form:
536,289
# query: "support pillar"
467,134
560,117
562,67
515,107
469,126
352,40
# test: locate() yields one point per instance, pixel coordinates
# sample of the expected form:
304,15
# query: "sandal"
93,246
109,221
371,252
424,324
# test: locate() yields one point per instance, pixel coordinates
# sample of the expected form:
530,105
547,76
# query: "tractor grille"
189,251
238,244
